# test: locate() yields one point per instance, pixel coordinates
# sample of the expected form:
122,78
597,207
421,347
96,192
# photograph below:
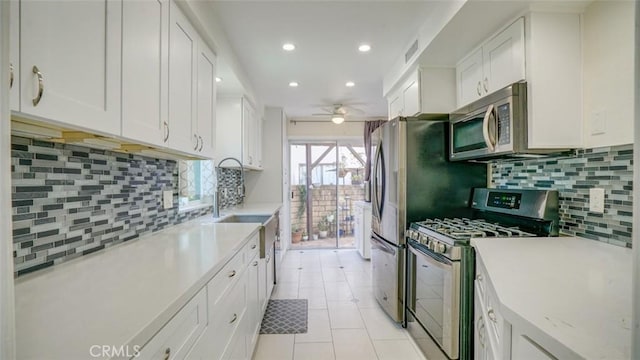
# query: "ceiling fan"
338,112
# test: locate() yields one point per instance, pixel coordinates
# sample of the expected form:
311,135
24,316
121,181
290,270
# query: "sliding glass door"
326,181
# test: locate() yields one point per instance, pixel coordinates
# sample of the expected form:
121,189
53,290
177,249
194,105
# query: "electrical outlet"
596,200
167,199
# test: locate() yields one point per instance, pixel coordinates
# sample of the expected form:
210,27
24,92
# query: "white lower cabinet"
271,275
177,337
222,321
492,333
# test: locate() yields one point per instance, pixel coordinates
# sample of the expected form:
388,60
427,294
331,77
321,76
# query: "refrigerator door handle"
376,182
382,180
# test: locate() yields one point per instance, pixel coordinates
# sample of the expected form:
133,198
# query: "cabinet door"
411,96
74,48
229,128
145,70
469,78
247,129
253,304
480,340
183,45
503,58
395,106
270,273
258,149
206,100
262,285
14,55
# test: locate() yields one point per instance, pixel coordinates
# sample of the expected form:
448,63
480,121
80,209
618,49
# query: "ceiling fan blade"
322,114
354,110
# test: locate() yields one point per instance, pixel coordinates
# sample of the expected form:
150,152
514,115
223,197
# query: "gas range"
497,213
439,235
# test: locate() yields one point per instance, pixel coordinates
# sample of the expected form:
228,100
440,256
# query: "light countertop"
571,295
252,209
122,295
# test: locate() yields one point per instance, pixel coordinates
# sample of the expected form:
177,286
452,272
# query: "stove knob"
432,245
413,235
441,248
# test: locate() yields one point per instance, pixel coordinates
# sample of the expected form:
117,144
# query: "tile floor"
345,321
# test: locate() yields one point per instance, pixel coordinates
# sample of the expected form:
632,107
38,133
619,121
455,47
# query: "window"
196,182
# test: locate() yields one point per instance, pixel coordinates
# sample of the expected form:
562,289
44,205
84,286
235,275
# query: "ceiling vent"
412,51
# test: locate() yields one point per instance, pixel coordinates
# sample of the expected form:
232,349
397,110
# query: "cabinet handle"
479,88
492,315
38,97
11,76
166,127
486,84
268,258
232,273
481,331
201,142
479,277
195,148
167,354
253,246
235,317
255,263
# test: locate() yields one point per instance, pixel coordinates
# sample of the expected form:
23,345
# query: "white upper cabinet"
238,132
70,62
206,101
14,55
500,61
426,90
183,53
145,71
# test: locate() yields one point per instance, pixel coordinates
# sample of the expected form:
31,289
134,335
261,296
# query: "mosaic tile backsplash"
229,185
70,200
610,168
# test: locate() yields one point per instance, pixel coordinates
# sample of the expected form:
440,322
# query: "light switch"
596,200
598,122
167,199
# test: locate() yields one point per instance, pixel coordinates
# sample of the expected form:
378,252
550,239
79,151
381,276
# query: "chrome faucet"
241,188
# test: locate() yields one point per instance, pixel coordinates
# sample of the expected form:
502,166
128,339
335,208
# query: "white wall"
608,68
327,130
266,185
7,322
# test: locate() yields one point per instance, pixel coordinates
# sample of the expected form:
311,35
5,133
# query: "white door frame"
7,314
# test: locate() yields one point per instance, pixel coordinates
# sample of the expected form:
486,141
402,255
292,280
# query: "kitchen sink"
259,219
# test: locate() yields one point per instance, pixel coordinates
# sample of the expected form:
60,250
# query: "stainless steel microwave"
493,126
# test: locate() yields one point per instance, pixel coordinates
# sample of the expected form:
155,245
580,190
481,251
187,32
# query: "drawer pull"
485,84
479,277
166,127
167,354
492,315
11,76
201,142
479,88
195,148
255,263
481,331
232,273
235,317
253,246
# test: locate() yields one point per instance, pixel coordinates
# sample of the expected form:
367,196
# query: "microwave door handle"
488,117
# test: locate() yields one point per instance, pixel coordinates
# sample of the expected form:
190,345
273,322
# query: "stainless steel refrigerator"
412,180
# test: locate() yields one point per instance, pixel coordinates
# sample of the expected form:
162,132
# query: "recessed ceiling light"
218,79
293,84
350,84
288,47
364,48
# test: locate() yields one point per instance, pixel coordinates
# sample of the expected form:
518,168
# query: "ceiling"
326,35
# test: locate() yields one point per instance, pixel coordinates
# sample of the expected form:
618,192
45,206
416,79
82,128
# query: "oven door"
433,298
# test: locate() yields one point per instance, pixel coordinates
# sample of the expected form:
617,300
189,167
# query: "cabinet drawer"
253,247
220,283
226,316
180,333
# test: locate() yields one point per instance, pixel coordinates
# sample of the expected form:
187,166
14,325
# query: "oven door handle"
439,263
377,242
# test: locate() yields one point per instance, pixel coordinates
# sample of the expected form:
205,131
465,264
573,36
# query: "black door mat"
285,316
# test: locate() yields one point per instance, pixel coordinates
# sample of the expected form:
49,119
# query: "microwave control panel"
504,124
